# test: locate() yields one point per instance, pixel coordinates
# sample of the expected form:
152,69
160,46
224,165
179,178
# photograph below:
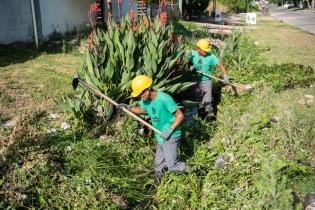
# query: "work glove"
166,134
126,106
193,69
226,79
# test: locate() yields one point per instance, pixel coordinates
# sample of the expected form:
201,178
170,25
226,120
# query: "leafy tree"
190,5
235,5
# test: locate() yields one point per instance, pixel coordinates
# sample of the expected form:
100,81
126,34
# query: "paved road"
300,18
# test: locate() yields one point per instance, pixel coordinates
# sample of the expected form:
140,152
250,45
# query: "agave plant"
128,49
238,51
74,107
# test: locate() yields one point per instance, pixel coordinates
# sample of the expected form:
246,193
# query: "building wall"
63,15
15,21
56,15
16,24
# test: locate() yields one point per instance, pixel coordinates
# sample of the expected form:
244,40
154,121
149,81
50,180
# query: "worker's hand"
126,106
193,69
166,134
226,79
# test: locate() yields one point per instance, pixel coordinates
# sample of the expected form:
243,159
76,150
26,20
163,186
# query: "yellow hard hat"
204,45
139,84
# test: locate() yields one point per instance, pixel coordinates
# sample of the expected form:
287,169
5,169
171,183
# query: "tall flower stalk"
92,14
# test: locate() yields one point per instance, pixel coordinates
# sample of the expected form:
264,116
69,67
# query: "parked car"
288,6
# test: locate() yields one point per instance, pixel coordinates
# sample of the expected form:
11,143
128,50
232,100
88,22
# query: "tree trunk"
308,4
313,4
187,13
180,5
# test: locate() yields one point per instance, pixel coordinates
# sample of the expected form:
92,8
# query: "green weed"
6,99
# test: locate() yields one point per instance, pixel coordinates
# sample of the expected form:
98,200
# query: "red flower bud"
132,16
163,17
94,8
91,36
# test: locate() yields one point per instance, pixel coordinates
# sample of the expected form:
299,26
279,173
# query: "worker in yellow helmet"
203,61
166,117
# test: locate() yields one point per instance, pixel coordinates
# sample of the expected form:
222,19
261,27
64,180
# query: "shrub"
133,47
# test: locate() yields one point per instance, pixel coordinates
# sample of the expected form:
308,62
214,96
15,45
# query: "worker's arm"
224,72
138,110
222,68
178,119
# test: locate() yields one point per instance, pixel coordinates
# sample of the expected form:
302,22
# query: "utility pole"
180,5
37,23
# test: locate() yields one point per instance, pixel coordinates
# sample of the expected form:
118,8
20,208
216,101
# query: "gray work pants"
203,95
166,156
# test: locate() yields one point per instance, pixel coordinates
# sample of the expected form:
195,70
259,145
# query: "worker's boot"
209,117
158,177
201,113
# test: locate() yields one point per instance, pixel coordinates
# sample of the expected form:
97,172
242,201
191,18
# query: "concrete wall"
63,15
56,15
15,21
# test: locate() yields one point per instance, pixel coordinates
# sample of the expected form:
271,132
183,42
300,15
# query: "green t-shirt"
204,64
161,111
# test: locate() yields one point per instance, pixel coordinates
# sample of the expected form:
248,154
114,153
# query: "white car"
288,6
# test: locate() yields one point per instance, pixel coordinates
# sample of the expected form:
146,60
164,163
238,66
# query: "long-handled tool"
75,83
216,78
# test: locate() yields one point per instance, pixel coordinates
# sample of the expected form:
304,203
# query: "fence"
172,11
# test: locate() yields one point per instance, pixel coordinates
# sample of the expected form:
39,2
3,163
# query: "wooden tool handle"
216,78
115,104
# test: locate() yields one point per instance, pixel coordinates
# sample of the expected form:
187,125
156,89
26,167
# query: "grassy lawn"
285,43
30,79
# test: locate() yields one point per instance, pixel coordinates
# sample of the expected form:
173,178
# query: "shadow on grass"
21,52
199,130
17,53
28,138
180,29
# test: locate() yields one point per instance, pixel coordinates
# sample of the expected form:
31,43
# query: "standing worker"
203,61
166,117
